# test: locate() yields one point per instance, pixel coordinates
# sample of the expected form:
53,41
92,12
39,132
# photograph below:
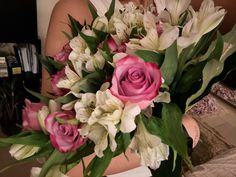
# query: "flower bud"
101,24
19,151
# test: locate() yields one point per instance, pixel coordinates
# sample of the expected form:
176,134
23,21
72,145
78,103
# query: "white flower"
53,172
155,41
42,114
101,127
69,80
149,147
128,117
95,61
176,8
19,151
202,22
85,106
78,46
122,29
101,24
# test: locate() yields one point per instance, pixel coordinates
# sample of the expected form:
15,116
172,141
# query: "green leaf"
170,64
150,56
100,35
111,10
32,139
169,129
97,166
75,26
50,64
70,121
212,69
230,40
217,52
90,83
91,41
42,98
166,168
56,158
92,10
66,99
192,75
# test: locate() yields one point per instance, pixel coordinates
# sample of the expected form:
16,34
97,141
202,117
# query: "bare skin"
55,41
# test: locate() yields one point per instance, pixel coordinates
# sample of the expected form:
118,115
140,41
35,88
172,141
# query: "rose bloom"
54,80
63,55
30,113
64,135
136,81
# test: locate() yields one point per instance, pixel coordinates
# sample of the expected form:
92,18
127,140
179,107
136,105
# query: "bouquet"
124,82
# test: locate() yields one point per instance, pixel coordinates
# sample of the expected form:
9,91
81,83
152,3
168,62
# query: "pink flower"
63,55
64,135
54,80
136,81
114,47
30,113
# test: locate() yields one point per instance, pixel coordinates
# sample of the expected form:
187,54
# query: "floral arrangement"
124,82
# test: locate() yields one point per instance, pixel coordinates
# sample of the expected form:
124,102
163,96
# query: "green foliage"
170,64
212,69
56,158
75,26
169,129
90,83
92,10
66,99
97,166
111,10
50,64
151,56
31,138
91,41
42,98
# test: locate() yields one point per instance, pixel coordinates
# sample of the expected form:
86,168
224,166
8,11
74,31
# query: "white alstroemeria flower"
68,81
101,24
128,117
85,106
149,21
149,147
132,16
151,41
94,62
168,36
160,5
78,46
19,151
154,41
102,123
122,29
207,19
42,114
176,8
53,172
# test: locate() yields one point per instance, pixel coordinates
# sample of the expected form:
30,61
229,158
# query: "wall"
44,9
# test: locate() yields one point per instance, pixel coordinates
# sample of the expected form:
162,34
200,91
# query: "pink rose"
64,136
54,80
30,113
136,81
114,47
63,55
